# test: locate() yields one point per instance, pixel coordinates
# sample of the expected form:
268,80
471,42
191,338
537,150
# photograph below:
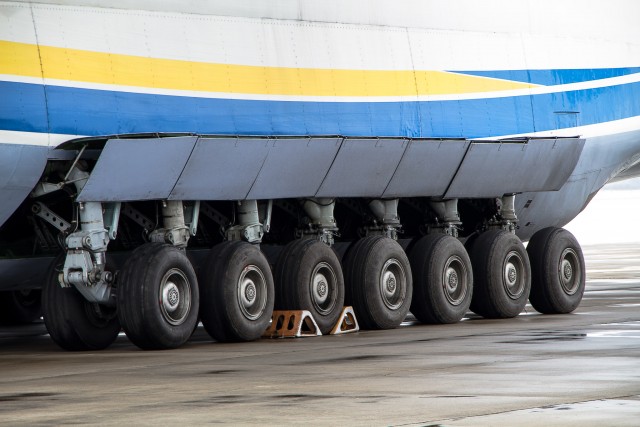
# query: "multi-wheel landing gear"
157,299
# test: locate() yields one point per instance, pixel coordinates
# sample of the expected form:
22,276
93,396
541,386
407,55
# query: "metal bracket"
111,216
42,211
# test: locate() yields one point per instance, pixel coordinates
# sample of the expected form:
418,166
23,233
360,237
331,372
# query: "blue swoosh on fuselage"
102,112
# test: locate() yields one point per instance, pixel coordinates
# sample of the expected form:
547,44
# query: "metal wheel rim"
323,287
569,271
252,292
393,284
513,275
454,280
175,297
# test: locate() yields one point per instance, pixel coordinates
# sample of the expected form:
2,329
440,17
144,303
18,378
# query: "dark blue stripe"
96,112
554,77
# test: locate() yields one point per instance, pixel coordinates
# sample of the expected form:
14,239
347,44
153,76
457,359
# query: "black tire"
309,277
73,323
502,275
558,272
158,297
237,292
20,307
442,279
371,264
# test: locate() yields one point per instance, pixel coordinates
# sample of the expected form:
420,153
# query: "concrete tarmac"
534,370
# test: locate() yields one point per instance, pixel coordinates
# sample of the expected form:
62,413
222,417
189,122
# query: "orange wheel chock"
292,324
347,322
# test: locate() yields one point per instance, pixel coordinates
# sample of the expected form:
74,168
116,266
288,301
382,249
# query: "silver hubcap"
323,288
514,280
393,284
454,280
252,292
569,271
175,297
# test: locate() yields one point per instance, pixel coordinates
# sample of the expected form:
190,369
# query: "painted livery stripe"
127,70
101,112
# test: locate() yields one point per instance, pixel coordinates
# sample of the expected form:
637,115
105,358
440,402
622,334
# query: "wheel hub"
175,297
390,281
171,297
320,287
393,284
569,271
252,292
514,276
454,280
249,291
451,279
511,274
323,288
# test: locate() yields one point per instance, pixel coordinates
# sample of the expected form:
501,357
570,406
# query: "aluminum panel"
20,169
295,167
491,169
222,169
363,167
427,168
138,169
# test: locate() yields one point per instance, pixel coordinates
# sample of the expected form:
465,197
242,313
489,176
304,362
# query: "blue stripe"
97,112
22,107
554,77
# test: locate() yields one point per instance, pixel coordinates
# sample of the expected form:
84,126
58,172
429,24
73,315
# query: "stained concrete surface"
581,369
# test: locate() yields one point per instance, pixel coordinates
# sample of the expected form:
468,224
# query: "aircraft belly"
239,168
20,169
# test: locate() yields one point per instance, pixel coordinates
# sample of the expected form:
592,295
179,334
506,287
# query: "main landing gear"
158,296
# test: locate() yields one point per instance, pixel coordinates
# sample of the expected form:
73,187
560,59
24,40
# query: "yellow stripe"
127,70
19,59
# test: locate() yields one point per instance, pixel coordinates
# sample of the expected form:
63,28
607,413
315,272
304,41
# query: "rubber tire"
220,311
364,263
430,258
293,276
488,255
139,308
71,321
545,251
20,307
